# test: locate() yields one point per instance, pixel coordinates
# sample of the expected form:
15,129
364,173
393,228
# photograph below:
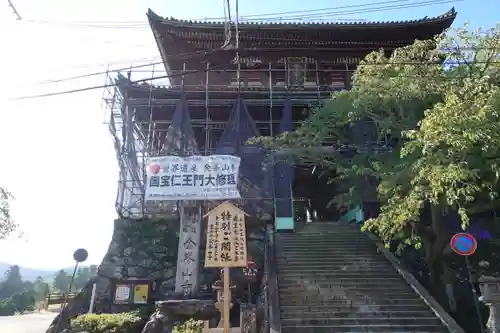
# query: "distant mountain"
29,274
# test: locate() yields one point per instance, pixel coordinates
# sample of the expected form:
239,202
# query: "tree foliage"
41,289
61,281
435,131
7,224
16,295
12,282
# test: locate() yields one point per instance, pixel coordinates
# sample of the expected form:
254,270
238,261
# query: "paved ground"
28,323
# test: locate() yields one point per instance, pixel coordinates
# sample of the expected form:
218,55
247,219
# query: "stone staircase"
332,278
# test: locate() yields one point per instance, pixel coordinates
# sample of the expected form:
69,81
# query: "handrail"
272,288
268,314
263,301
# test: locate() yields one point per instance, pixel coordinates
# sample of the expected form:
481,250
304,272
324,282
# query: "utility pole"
14,10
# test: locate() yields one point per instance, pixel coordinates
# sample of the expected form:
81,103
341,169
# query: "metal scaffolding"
138,115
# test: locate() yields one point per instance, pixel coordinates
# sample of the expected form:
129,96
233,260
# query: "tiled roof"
451,14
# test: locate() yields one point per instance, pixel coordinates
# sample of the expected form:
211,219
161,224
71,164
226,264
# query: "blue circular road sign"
463,244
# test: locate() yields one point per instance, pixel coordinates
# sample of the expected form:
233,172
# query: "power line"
193,53
418,4
314,13
370,10
176,56
183,73
188,72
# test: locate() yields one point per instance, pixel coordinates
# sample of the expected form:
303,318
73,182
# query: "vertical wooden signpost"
226,247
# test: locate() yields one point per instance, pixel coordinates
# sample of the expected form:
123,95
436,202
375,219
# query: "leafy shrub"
127,322
24,301
190,326
7,307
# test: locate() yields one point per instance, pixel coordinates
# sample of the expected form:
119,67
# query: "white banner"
212,177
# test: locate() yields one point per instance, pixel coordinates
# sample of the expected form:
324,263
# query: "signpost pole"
227,299
465,245
474,294
226,248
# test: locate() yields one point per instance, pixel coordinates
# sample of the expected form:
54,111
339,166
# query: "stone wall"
144,249
141,249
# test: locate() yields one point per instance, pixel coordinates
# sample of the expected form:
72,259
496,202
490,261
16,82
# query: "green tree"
82,276
7,307
41,289
7,225
24,301
12,282
439,127
61,281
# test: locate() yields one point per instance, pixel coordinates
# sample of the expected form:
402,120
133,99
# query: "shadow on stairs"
334,278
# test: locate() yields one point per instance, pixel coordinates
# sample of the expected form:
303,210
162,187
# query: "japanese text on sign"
188,256
192,178
226,238
122,294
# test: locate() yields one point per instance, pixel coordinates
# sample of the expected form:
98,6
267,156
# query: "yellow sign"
226,237
141,292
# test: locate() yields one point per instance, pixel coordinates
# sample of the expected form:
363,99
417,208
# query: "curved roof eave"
152,19
177,23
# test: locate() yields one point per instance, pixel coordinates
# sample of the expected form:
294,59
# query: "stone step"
331,276
324,237
352,298
361,240
323,233
352,302
282,258
338,291
348,300
358,313
386,305
346,240
285,283
326,251
346,266
311,286
355,254
332,279
332,230
368,328
288,259
310,271
377,321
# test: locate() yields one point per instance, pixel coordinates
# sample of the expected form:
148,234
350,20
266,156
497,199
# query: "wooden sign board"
226,237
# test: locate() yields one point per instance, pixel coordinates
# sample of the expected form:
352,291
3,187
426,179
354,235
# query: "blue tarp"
238,130
180,139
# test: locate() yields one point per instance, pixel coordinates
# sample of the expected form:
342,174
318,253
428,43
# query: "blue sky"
56,155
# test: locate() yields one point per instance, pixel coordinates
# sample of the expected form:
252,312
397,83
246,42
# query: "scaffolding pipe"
317,80
237,46
207,113
270,101
347,80
150,138
183,75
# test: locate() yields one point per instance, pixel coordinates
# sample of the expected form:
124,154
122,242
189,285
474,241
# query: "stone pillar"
248,319
490,290
187,276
